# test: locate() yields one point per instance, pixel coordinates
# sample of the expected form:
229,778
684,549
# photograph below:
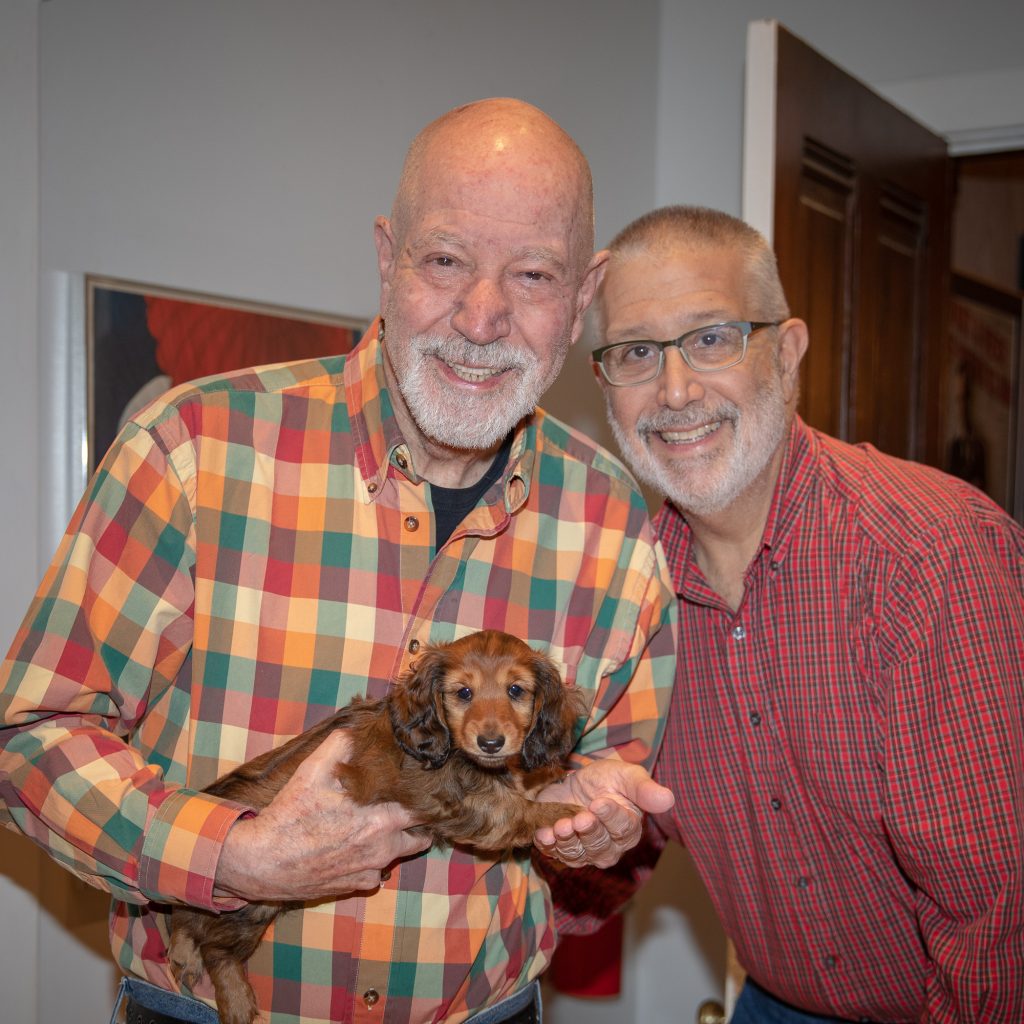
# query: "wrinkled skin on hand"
616,796
312,841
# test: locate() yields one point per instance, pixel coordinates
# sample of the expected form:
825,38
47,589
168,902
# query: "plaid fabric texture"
848,746
255,551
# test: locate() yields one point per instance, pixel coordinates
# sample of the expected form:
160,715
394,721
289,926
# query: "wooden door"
855,196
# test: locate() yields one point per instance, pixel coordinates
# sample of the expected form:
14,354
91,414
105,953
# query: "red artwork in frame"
143,340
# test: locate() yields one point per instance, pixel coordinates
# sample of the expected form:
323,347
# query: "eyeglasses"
705,349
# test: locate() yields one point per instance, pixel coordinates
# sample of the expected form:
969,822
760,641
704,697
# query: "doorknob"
710,1011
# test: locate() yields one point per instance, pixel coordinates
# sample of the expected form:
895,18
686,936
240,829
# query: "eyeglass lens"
708,348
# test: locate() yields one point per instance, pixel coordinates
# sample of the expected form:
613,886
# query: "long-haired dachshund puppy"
468,735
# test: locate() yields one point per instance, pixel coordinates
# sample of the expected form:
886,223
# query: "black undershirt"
452,504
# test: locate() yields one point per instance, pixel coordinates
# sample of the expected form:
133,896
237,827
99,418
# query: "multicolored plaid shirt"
256,550
848,747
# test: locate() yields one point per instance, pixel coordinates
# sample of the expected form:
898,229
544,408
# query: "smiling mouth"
474,374
689,436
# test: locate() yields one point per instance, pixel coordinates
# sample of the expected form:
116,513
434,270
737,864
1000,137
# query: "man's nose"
483,312
679,383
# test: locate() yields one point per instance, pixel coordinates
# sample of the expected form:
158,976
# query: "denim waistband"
173,1004
515,1003
193,1011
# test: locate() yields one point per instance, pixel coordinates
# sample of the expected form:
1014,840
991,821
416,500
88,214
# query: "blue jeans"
756,1006
195,1012
159,999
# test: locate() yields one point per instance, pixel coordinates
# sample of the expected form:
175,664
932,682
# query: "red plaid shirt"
848,746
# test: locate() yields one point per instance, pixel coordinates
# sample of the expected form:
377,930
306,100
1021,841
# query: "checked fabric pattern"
254,551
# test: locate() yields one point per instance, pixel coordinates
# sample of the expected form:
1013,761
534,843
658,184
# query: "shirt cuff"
182,847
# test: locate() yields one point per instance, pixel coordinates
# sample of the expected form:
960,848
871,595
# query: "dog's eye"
515,691
464,694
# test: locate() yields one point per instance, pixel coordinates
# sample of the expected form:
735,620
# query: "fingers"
653,798
631,782
600,835
622,823
365,881
312,840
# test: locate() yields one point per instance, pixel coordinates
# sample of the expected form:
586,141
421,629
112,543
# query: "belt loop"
122,991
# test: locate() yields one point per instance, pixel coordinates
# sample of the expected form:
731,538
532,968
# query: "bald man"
260,548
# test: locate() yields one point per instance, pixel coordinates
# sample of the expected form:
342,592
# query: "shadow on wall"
674,954
577,399
77,908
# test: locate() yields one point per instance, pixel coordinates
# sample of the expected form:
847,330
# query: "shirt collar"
379,444
792,490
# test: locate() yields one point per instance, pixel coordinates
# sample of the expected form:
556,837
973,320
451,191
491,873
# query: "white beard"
707,487
463,421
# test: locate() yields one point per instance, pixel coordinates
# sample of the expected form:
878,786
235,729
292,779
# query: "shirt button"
803,882
371,997
755,719
412,524
738,633
402,461
414,646
776,803
831,960
774,566
372,488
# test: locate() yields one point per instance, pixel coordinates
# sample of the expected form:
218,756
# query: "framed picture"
142,340
983,442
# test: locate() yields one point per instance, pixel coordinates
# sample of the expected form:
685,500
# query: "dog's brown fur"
466,737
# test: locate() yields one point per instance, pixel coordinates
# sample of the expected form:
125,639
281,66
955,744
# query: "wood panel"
822,283
861,229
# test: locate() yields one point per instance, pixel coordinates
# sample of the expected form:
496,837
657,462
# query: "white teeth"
473,374
683,436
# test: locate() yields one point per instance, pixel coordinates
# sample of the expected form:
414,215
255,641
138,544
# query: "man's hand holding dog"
312,841
616,796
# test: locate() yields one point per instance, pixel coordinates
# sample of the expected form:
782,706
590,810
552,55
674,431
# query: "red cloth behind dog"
590,965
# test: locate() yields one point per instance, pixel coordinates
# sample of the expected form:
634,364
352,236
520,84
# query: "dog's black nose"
490,745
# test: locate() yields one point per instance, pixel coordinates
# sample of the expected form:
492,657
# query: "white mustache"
666,421
498,355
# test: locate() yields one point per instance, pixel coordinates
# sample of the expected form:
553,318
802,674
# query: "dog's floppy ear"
417,710
556,709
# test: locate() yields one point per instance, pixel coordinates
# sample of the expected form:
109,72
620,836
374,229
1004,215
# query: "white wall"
20,866
243,147
947,62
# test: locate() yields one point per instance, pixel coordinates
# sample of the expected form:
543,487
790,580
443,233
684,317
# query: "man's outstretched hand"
615,795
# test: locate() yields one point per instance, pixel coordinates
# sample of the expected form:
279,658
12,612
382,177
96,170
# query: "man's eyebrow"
629,332
642,332
538,254
541,254
436,237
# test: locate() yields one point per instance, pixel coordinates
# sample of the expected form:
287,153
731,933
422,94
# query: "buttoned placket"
434,583
808,896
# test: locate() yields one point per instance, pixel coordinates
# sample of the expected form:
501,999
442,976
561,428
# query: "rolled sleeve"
182,847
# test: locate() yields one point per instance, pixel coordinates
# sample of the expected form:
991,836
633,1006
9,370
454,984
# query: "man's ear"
793,341
592,277
387,251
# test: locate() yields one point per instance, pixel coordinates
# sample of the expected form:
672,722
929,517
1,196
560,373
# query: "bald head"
515,146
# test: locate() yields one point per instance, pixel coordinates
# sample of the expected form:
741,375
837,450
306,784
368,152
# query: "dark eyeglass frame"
747,327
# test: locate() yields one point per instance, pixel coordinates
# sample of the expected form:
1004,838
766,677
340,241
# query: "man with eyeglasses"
846,742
